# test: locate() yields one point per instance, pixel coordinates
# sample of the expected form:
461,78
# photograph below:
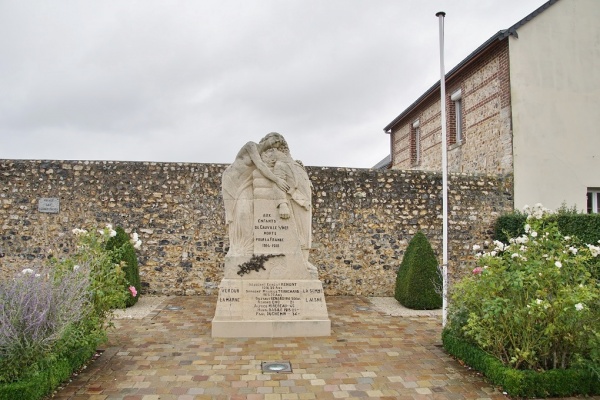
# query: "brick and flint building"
526,102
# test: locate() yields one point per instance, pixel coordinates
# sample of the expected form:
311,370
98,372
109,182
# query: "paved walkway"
170,355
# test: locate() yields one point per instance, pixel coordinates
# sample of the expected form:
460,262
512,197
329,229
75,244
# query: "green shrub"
418,279
509,226
123,253
532,303
586,227
107,278
523,383
53,370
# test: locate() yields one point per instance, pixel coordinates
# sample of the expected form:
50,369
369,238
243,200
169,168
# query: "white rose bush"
532,303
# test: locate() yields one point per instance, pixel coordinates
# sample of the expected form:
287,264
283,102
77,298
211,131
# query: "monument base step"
270,328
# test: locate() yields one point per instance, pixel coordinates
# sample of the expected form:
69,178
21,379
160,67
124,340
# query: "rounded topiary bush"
418,279
124,252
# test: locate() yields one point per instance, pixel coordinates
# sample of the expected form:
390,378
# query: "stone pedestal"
271,308
275,292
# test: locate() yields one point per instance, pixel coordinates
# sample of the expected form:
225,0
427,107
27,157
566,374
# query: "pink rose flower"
478,270
133,291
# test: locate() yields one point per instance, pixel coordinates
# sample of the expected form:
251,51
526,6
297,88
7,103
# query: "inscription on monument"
229,295
278,299
272,300
270,233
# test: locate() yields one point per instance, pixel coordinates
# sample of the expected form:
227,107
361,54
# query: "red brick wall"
486,132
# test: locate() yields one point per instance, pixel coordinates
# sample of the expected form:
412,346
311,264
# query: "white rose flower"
579,306
573,250
595,250
499,245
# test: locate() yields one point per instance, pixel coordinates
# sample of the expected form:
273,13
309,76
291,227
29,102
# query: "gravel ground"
144,306
386,305
390,306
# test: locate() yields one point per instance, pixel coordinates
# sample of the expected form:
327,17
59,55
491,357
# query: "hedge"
586,227
55,370
523,383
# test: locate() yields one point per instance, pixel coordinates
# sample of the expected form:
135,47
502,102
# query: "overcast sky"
194,80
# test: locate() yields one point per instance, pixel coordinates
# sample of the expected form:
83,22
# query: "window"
415,143
593,201
456,114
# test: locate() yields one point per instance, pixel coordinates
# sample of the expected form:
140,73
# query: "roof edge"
499,36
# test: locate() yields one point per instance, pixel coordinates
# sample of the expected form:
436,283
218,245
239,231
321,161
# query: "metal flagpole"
441,16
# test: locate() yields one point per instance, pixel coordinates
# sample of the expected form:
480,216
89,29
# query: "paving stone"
171,356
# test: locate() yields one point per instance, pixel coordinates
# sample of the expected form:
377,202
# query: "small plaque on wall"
49,205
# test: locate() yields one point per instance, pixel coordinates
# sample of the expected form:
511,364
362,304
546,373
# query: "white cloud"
195,80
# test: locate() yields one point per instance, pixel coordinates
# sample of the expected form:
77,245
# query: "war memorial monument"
269,286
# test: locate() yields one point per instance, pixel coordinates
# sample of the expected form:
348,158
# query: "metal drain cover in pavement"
276,366
362,308
173,308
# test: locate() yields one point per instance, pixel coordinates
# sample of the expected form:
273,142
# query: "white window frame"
593,194
456,97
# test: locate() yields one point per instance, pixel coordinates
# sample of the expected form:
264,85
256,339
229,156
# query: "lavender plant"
36,309
66,305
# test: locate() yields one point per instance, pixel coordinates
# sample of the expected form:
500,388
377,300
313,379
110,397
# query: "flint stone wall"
362,219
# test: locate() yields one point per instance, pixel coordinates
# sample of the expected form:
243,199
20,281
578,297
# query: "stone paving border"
390,306
141,309
169,355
